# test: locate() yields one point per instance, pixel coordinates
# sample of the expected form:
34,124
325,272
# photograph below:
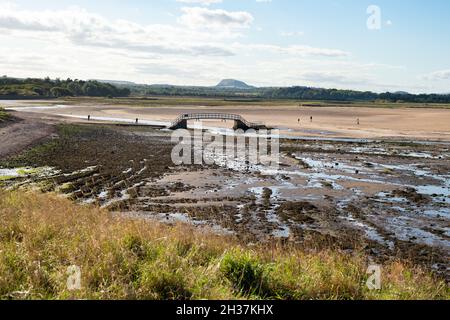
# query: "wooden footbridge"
239,121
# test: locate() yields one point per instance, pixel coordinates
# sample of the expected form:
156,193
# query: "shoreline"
286,133
327,123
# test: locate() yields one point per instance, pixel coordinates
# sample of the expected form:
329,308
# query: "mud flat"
390,199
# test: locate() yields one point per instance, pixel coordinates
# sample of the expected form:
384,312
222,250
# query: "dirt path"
22,133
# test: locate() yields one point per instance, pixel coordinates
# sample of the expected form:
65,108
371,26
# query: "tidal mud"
388,199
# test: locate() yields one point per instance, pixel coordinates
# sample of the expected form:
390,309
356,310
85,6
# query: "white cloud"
293,50
88,29
197,17
291,33
332,77
80,44
201,2
438,75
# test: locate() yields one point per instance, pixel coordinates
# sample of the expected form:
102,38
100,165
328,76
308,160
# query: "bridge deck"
215,116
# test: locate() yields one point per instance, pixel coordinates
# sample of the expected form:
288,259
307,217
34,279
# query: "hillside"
233,84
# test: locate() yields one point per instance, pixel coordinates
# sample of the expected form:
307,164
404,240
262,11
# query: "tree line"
297,93
55,88
47,88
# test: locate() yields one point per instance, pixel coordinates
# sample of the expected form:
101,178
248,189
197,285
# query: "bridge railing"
218,116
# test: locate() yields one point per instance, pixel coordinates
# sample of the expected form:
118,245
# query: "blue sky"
323,43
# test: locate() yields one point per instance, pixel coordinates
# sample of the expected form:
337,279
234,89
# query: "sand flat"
405,123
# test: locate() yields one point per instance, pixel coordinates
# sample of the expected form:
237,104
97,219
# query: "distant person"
357,121
89,117
310,118
298,120
137,120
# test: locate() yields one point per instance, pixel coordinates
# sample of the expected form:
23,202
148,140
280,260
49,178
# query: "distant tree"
57,92
124,92
75,88
39,90
89,89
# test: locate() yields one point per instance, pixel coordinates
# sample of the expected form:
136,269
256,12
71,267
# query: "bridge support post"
180,125
238,124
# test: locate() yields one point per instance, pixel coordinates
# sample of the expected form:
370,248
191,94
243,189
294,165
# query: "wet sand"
332,122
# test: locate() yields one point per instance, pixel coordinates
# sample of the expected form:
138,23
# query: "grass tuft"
247,274
4,115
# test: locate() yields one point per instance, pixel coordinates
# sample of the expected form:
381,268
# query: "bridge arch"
239,121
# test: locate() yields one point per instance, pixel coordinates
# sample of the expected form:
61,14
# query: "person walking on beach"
310,118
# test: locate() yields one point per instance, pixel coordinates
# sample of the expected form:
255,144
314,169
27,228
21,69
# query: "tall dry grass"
41,235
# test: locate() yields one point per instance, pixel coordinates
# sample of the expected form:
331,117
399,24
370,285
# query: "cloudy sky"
323,43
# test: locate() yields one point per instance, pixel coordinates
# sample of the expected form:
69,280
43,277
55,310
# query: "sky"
376,45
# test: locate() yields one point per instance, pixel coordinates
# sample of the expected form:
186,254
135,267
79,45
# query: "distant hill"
234,84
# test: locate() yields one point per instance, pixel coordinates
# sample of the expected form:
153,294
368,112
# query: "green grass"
6,178
3,115
27,158
41,235
20,172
